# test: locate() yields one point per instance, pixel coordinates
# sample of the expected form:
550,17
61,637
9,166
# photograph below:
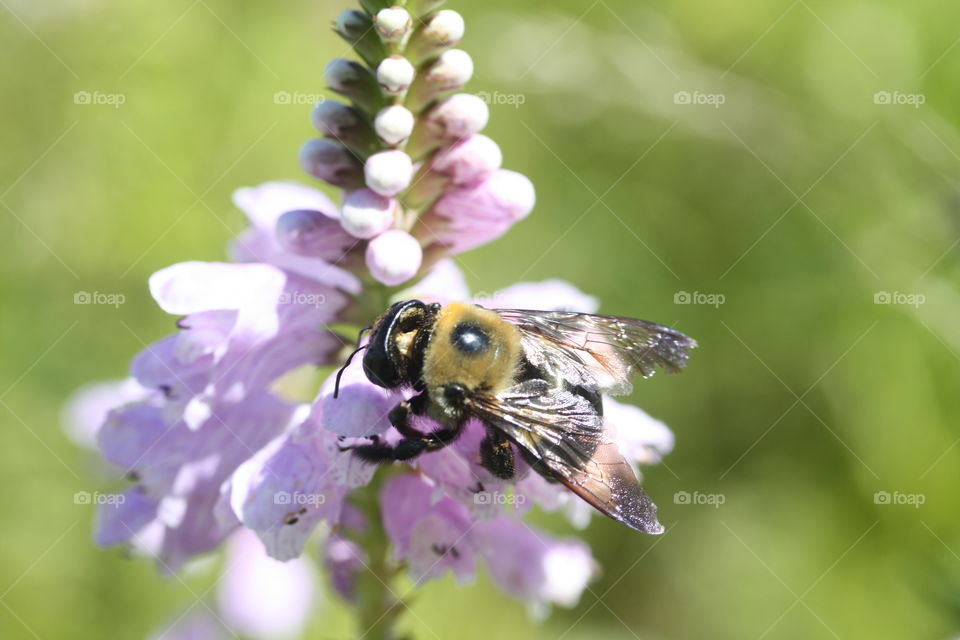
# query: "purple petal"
445,283
196,624
253,290
431,537
549,295
282,493
360,409
313,234
639,437
261,597
87,408
130,432
264,204
124,517
533,566
344,559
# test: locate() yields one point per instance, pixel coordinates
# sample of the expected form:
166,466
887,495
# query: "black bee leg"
496,454
413,443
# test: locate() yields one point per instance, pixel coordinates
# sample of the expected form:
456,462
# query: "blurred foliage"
798,200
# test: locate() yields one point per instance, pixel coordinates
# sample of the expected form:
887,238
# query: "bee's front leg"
413,443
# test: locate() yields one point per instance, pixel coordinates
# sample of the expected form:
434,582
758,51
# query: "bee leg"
496,454
413,443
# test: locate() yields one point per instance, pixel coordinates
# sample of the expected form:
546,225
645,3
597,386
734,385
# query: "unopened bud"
366,214
313,233
468,159
331,162
388,172
444,29
395,74
394,124
356,27
449,72
457,117
352,24
394,26
394,257
354,81
345,125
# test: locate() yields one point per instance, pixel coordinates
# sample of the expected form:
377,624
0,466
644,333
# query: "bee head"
394,353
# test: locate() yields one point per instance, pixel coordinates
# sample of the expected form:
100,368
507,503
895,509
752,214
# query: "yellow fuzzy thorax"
490,371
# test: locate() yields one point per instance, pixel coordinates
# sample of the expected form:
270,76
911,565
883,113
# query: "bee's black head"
395,352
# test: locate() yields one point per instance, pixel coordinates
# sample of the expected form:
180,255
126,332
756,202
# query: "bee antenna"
336,386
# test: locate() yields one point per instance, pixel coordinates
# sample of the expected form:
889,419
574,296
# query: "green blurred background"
796,202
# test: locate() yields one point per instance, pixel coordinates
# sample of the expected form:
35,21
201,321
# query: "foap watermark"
303,298
914,100
97,498
299,499
714,100
912,499
297,98
711,499
497,98
499,498
898,297
115,100
99,297
710,299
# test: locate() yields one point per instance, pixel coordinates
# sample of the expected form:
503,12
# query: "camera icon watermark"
515,100
298,98
99,298
899,298
97,498
711,499
115,100
897,498
498,498
696,297
915,100
303,298
299,499
715,100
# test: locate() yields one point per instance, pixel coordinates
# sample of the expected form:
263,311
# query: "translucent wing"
597,352
564,432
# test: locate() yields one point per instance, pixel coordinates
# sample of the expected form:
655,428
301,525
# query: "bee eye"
470,339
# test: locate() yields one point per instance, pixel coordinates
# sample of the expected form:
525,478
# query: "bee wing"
563,430
597,352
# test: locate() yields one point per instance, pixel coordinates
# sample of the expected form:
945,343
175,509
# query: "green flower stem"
378,606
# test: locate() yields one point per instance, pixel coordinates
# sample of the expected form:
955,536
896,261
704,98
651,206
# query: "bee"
535,380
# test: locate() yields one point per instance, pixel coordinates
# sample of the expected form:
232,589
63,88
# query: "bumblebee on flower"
464,399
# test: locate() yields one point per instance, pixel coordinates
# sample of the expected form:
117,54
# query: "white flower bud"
388,172
445,28
394,124
452,70
394,257
467,159
393,24
395,74
460,115
366,214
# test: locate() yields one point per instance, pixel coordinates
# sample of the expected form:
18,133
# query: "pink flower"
477,213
